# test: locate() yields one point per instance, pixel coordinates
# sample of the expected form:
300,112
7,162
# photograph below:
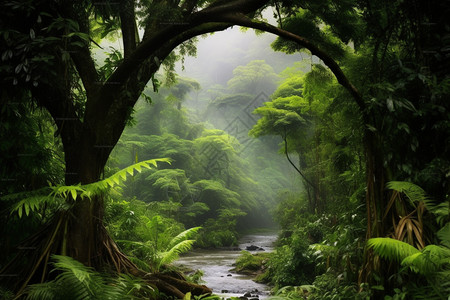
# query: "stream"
217,263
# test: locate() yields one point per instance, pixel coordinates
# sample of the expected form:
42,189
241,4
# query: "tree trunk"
79,232
375,203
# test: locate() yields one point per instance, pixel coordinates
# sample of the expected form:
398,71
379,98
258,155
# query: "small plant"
153,254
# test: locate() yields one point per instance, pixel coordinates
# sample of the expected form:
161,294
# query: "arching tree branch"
147,48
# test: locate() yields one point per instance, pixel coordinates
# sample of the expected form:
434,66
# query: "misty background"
220,177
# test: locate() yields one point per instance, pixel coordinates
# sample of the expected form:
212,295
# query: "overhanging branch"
119,111
151,45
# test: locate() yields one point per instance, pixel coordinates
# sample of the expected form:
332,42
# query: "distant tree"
254,78
180,90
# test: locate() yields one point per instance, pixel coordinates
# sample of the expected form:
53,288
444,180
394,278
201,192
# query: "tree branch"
188,6
295,167
85,66
147,48
120,107
128,26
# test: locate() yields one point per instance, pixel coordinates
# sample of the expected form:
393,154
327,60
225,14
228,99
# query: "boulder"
254,248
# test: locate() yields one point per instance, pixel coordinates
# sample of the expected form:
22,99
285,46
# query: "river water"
216,265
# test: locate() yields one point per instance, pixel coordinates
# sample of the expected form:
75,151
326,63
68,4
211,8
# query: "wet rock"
254,248
224,291
247,294
253,298
229,275
243,298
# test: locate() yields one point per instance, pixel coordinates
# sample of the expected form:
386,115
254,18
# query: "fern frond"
187,234
30,204
391,249
27,194
120,176
66,263
63,191
77,274
76,281
444,235
172,254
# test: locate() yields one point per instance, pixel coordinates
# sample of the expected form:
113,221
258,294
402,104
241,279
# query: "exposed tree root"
26,268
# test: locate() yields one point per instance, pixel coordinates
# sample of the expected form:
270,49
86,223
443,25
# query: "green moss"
249,263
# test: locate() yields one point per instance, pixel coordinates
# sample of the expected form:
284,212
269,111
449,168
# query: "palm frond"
441,211
62,191
414,192
27,194
391,249
46,290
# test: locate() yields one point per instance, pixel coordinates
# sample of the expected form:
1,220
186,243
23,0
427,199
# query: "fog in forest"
137,164
207,113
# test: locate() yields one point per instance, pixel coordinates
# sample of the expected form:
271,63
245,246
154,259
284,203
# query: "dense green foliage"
329,146
209,183
76,281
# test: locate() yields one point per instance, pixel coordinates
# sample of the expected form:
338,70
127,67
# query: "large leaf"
391,249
